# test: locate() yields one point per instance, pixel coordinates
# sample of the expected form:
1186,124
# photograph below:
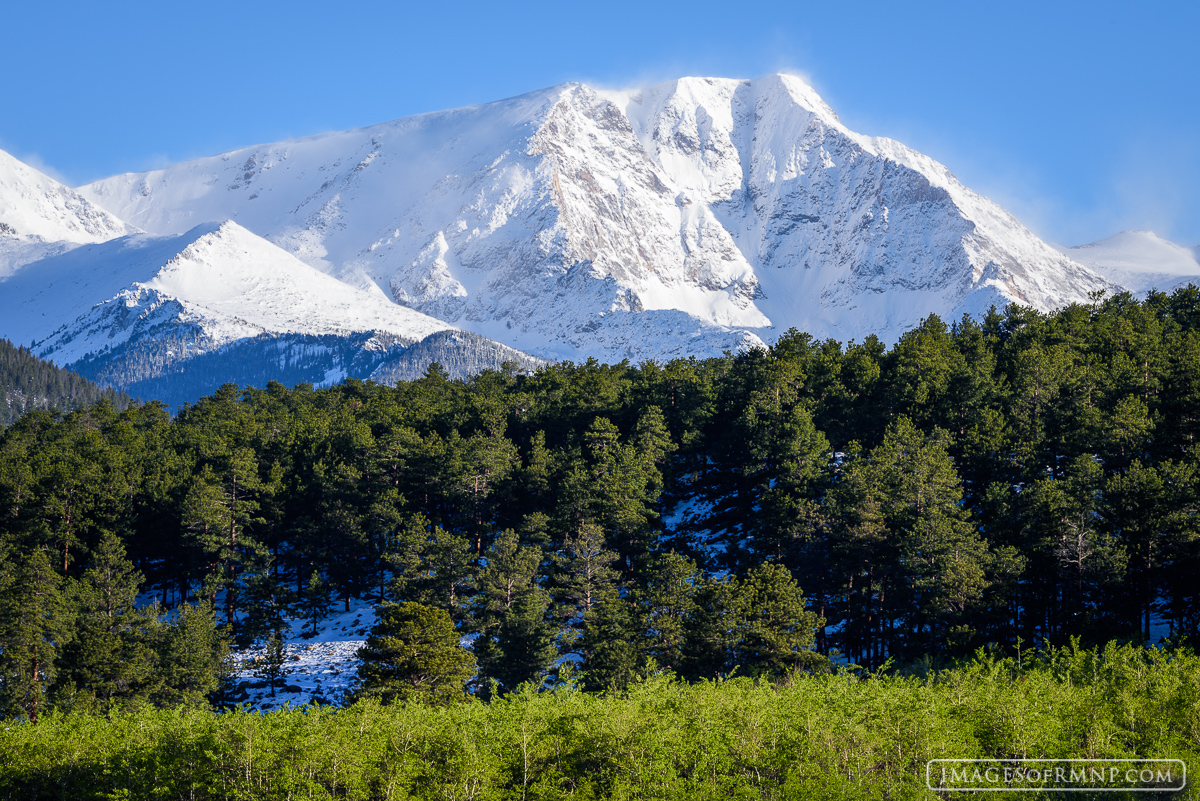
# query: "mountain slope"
40,217
1140,261
139,312
231,282
147,367
28,383
850,234
34,204
686,218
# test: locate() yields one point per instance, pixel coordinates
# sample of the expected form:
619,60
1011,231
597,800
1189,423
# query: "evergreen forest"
783,518
28,383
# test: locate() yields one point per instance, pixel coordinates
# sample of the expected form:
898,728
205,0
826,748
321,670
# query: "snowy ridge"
175,317
859,234
219,278
1140,261
34,204
685,218
40,217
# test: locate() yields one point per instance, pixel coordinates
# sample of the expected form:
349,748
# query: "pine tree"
218,511
584,572
524,648
266,599
776,633
765,452
35,623
192,652
615,484
669,597
488,459
516,642
904,546
436,568
712,629
413,653
511,572
611,644
790,505
271,667
1086,564
316,601
112,656
864,558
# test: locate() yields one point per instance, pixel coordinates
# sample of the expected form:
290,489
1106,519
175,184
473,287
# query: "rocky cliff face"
847,234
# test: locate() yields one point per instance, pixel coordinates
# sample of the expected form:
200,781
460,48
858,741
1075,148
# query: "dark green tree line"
1020,477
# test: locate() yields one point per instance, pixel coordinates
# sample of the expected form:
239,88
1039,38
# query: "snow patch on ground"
319,669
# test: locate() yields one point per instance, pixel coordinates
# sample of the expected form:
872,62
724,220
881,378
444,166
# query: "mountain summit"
684,218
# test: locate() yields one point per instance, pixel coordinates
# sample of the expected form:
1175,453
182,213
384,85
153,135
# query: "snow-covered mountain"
176,316
34,204
681,219
1140,261
221,278
39,216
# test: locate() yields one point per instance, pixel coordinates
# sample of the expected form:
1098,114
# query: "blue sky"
1081,118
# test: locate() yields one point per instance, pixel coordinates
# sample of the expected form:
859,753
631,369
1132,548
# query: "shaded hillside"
28,383
150,367
460,353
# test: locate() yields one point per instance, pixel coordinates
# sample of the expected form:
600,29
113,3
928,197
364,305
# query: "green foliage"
830,735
